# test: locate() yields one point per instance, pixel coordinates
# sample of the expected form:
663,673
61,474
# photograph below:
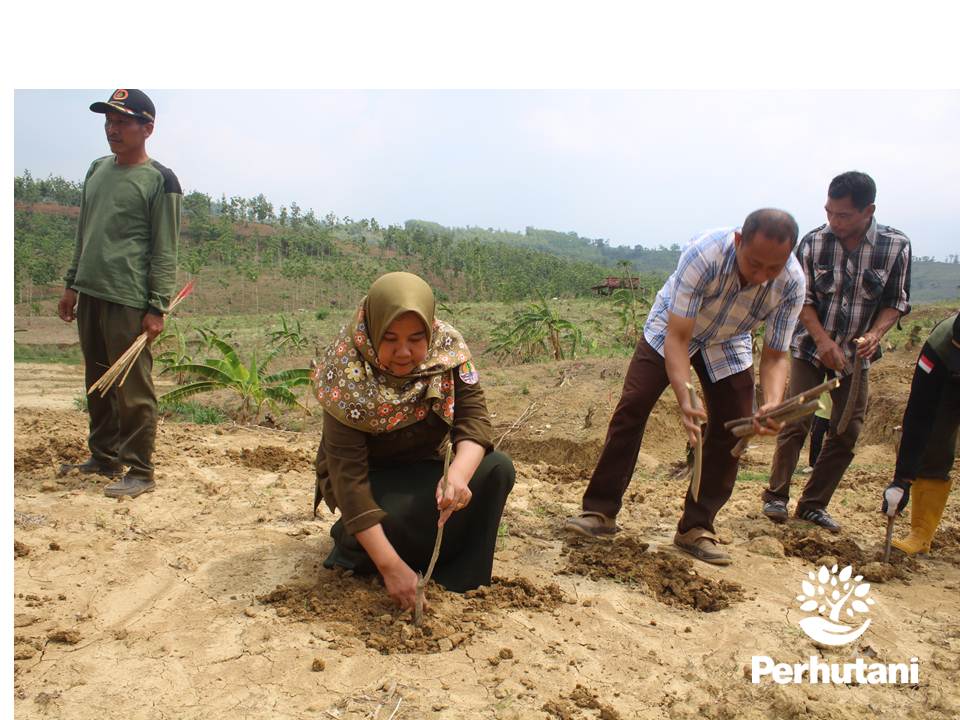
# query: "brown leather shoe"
703,545
130,486
592,524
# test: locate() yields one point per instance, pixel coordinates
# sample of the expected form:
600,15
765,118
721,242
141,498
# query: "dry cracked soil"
208,598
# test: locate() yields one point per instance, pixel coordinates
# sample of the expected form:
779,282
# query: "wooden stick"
804,410
746,432
741,446
125,362
525,415
424,579
888,539
799,399
697,449
854,390
399,700
133,361
785,410
791,414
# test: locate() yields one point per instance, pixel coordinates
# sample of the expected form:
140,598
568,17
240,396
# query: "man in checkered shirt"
727,283
858,286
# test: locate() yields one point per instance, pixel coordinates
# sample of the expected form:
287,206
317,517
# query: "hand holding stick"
787,405
789,410
424,579
697,448
851,402
888,540
121,368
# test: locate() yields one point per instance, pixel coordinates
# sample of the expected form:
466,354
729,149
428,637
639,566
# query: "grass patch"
193,412
752,476
503,532
65,354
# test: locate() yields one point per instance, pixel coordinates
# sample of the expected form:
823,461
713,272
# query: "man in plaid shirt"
858,286
726,284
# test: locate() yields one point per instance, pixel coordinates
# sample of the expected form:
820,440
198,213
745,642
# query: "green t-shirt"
127,237
826,402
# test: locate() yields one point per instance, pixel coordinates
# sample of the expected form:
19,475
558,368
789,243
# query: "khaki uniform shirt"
346,454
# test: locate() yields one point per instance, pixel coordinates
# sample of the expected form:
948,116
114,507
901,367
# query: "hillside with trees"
251,255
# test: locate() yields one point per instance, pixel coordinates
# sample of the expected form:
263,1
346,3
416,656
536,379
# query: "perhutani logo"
841,597
837,598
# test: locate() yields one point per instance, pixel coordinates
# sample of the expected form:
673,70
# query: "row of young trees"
566,245
238,242
42,250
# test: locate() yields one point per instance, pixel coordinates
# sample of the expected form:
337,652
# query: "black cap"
129,102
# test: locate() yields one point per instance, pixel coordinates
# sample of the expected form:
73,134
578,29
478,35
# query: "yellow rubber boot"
928,498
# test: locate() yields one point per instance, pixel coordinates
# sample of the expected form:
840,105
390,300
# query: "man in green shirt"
119,286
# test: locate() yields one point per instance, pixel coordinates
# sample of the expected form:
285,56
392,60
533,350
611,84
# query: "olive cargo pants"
837,452
123,423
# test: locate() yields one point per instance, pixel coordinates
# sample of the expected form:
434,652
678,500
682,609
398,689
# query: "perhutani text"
816,671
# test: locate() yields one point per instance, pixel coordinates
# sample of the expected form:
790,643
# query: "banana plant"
249,380
207,334
535,329
288,334
175,350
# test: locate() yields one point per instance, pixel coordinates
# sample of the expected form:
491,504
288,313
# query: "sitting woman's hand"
399,579
457,496
401,583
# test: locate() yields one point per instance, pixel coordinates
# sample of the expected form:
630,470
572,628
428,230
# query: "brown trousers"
837,451
123,423
646,379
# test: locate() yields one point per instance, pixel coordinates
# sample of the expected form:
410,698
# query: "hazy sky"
647,167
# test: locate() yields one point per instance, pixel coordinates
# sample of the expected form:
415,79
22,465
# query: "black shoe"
347,552
93,467
131,486
776,510
821,518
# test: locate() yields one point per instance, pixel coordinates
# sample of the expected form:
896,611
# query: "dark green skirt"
407,493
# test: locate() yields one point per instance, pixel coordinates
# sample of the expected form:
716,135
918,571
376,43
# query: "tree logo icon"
827,593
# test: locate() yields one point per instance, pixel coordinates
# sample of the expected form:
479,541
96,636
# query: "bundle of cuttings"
121,368
799,406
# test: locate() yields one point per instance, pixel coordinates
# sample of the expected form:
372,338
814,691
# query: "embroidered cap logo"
120,95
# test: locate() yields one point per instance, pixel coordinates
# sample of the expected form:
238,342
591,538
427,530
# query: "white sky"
649,167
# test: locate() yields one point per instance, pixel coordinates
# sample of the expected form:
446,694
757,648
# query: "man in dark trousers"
726,284
119,285
858,286
929,442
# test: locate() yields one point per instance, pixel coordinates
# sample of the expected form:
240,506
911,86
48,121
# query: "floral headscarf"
353,386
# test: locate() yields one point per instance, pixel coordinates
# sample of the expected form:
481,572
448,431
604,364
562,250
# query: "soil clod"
670,578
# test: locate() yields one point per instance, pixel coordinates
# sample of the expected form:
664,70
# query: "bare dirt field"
207,598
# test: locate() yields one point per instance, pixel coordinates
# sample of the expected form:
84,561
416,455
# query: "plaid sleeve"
783,321
694,271
896,293
805,256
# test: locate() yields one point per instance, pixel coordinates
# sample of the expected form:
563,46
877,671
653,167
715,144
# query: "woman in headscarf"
396,386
